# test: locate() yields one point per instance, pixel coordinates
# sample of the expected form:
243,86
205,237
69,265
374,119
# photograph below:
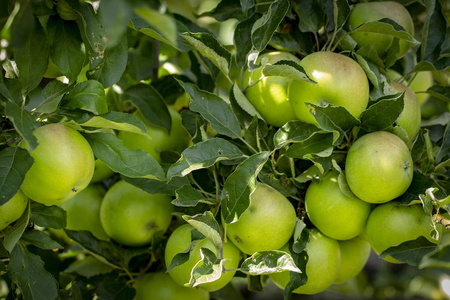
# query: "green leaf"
243,109
268,262
183,256
444,150
52,94
11,89
420,183
128,162
240,185
24,122
411,252
208,269
154,186
89,267
440,92
264,28
383,113
117,121
115,287
28,272
311,15
208,46
207,225
228,9
40,239
48,216
203,155
316,144
150,103
288,69
370,69
242,39
88,95
66,47
294,132
439,258
214,109
14,233
14,164
187,196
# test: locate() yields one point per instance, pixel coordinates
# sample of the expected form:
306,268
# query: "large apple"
13,209
354,255
267,224
268,94
63,165
340,81
132,216
334,213
322,266
379,167
374,11
391,224
180,240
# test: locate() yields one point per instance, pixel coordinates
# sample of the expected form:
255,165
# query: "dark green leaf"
88,267
40,239
14,164
288,69
243,109
187,196
411,252
439,258
444,150
128,162
114,16
48,216
208,269
88,95
214,109
440,92
14,233
28,272
268,262
311,15
370,69
240,185
204,155
242,39
207,225
228,9
294,132
169,88
383,113
115,287
316,144
24,122
154,186
117,121
52,94
11,89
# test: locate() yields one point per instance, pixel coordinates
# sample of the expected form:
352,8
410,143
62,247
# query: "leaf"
383,113
128,162
11,89
268,262
204,155
208,46
370,69
439,258
28,272
264,28
14,164
183,256
208,269
288,69
187,196
228,9
14,233
154,186
444,150
294,132
88,95
420,183
89,267
316,144
440,92
40,239
411,252
242,39
24,122
243,109
48,216
311,15
117,121
207,225
115,287
52,94
214,109
147,99
240,185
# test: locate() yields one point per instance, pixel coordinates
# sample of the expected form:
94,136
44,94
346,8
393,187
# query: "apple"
373,11
160,286
340,81
101,171
378,167
391,224
268,94
322,266
132,216
63,165
180,240
267,224
13,209
354,255
332,212
419,83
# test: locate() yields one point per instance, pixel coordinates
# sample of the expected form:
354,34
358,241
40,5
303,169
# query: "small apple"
354,256
101,171
13,209
418,82
340,81
379,167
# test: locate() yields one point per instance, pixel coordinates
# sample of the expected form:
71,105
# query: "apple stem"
442,220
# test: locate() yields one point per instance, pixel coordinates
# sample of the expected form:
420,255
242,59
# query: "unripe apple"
354,256
13,209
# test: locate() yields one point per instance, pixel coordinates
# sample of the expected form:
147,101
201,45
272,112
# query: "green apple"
267,224
13,209
332,212
132,216
373,11
101,171
180,240
160,286
419,83
268,94
391,224
158,139
322,266
379,167
354,255
340,81
83,211
410,117
63,165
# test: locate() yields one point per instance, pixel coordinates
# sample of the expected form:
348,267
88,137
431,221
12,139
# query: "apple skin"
391,224
101,171
332,212
160,286
374,11
63,165
354,255
379,167
340,81
180,240
421,81
267,224
322,266
13,209
132,216
269,95
410,117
